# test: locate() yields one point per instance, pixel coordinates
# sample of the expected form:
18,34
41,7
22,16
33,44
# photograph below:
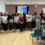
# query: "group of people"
22,20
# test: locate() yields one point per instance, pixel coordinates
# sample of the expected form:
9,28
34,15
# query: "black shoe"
28,29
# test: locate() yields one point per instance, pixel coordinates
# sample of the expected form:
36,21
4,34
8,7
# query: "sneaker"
28,29
32,28
4,31
10,31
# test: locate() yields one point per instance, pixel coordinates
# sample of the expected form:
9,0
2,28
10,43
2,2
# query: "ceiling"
22,0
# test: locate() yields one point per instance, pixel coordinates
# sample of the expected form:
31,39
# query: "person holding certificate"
16,20
38,18
43,21
10,20
4,21
21,21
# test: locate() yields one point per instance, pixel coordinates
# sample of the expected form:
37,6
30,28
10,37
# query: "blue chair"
36,34
39,44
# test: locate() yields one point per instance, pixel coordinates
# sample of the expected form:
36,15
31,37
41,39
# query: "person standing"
43,21
29,20
24,24
10,20
21,21
16,20
35,13
4,21
33,21
41,13
37,18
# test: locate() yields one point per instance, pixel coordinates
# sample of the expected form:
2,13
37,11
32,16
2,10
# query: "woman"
21,21
38,18
10,20
24,24
4,21
33,21
16,19
43,21
29,20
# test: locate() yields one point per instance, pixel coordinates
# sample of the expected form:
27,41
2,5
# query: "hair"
5,14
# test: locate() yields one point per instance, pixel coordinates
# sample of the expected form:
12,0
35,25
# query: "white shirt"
16,18
4,19
28,18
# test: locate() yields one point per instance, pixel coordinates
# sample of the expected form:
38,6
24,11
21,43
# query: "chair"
39,44
36,34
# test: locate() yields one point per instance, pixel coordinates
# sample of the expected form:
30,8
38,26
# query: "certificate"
5,21
37,19
42,20
11,20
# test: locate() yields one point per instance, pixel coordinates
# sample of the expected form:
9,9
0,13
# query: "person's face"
21,15
10,13
38,14
33,14
36,11
4,14
1,13
28,12
23,12
16,14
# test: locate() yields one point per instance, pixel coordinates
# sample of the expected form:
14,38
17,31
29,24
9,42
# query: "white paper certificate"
11,20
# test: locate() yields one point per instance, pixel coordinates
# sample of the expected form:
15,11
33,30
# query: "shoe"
32,28
4,31
10,31
28,29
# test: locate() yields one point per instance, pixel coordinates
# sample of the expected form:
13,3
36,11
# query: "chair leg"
32,40
30,37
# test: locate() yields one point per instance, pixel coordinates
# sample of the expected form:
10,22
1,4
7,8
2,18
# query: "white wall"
2,3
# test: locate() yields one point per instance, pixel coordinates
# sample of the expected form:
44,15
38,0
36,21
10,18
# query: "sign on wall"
43,10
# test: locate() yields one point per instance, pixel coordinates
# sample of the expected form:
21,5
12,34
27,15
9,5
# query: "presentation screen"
20,9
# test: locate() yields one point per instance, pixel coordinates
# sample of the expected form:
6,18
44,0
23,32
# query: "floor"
16,38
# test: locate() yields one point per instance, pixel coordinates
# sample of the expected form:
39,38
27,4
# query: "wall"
32,8
2,3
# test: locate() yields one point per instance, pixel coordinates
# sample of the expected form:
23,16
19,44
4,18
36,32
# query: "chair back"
38,32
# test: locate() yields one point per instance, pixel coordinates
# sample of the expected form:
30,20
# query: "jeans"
21,27
37,24
44,27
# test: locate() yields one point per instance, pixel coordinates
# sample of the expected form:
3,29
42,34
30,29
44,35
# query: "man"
1,13
29,20
24,24
10,19
35,13
41,13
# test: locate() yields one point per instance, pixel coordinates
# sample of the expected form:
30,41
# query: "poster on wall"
43,10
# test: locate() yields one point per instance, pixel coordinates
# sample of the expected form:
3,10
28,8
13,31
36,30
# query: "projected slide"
20,9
